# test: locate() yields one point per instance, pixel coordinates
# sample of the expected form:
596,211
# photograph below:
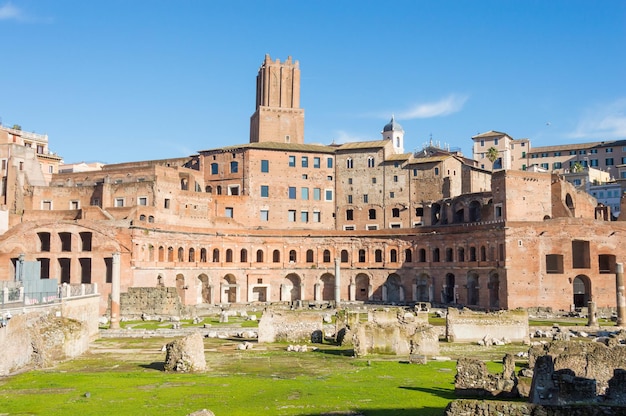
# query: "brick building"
268,220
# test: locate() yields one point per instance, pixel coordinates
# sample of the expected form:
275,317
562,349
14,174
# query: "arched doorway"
422,288
204,289
362,290
290,289
472,289
393,289
494,290
582,290
328,286
449,295
229,288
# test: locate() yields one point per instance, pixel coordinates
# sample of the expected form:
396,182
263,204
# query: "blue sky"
117,81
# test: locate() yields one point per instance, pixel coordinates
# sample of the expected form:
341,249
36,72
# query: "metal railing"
12,294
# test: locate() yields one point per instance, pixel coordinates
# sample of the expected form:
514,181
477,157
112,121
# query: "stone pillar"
317,292
283,292
337,281
621,300
352,291
592,319
115,292
414,287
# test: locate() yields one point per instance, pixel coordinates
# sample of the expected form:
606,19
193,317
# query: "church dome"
393,125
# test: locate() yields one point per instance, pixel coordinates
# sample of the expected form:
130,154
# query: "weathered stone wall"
85,310
465,407
38,339
151,301
469,326
290,326
591,360
394,338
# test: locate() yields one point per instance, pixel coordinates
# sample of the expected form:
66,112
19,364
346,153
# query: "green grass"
126,378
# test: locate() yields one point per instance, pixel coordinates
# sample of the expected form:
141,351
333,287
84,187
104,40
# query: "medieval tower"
277,116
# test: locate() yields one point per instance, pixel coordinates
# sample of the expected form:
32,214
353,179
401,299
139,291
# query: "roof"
292,147
574,146
364,145
429,159
392,126
490,133
398,157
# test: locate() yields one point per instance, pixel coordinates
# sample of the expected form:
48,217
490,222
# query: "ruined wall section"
468,326
290,326
522,195
152,301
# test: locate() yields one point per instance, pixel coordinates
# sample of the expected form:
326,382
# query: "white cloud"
10,12
341,136
448,105
606,121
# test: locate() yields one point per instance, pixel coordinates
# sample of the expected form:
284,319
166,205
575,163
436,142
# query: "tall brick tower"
278,116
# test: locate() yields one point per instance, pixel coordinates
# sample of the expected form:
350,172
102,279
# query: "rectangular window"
265,191
317,194
329,195
316,162
119,202
557,153
495,142
292,215
292,192
143,201
329,162
292,161
317,216
214,168
582,152
265,166
304,216
593,151
395,178
482,142
305,161
234,167
556,165
609,150
609,161
349,199
166,203
305,193
572,152
74,205
373,180
365,199
265,215
228,212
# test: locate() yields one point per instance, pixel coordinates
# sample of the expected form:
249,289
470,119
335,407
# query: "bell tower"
278,116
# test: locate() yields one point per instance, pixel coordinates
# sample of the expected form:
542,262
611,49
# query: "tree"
493,154
577,167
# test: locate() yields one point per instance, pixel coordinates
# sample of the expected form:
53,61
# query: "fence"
12,294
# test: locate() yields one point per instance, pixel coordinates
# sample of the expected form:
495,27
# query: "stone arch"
344,256
192,255
328,286
161,253
581,288
569,202
473,297
229,255
229,289
243,255
259,256
205,289
290,290
435,214
459,212
494,290
474,211
181,255
276,256
392,289
363,288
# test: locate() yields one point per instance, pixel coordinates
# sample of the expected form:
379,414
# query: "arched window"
326,256
349,163
361,256
142,217
292,256
408,255
229,256
276,256
344,256
203,255
378,256
181,254
460,254
422,255
243,255
483,253
370,162
151,219
161,253
310,256
192,255
393,255
449,254
170,254
216,255
472,254
436,255
219,189
259,256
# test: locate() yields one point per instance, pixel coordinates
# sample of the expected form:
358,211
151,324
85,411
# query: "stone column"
337,281
115,292
621,300
352,291
592,319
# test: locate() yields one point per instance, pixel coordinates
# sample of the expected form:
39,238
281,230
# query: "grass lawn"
124,377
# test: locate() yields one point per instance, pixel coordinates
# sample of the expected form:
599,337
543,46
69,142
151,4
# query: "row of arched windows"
229,256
